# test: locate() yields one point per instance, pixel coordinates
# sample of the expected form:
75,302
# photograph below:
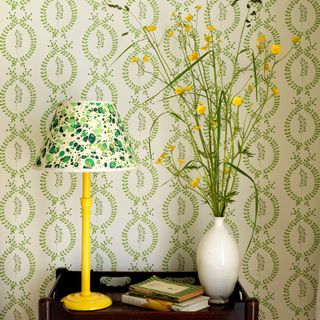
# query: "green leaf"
255,74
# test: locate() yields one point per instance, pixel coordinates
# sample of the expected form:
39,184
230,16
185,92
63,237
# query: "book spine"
149,303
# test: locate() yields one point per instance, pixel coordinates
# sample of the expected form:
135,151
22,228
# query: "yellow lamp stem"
86,300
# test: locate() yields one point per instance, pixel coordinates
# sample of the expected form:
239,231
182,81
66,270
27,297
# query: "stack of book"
166,295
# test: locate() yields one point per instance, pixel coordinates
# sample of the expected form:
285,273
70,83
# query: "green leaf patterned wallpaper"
61,49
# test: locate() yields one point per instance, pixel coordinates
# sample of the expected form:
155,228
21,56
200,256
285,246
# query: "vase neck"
218,221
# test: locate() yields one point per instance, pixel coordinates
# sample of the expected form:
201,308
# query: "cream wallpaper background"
60,49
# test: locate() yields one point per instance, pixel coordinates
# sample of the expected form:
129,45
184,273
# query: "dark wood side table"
240,306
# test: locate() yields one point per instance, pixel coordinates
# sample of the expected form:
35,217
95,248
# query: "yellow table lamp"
86,136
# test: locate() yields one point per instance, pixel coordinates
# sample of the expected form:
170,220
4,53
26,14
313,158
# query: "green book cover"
158,288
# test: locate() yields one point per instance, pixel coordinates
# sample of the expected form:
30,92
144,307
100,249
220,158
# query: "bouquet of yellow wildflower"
220,115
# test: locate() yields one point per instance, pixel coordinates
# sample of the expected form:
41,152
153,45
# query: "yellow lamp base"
90,302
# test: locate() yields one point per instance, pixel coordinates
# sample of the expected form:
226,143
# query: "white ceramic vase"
218,262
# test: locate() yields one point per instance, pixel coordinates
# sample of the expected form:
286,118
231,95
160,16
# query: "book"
164,289
193,304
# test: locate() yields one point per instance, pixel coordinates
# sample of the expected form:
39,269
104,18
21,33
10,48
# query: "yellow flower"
170,34
188,88
181,161
195,182
211,28
196,127
189,17
250,88
207,38
145,58
134,59
198,7
261,38
159,160
266,67
179,90
171,146
237,101
275,49
163,154
275,91
205,47
152,28
260,46
193,56
201,109
295,39
188,27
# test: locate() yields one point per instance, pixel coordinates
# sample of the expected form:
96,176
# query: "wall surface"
60,49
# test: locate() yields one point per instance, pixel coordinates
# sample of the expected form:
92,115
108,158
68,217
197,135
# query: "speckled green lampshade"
86,136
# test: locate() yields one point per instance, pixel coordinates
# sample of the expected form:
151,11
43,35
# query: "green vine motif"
60,9
107,252
17,263
143,195
99,262
303,178
178,3
140,179
306,278
262,249
142,11
17,151
107,87
59,67
231,225
261,152
17,56
100,28
59,179
183,250
268,307
145,115
48,282
58,234
152,17
16,136
63,57
67,247
262,138
302,124
218,11
105,197
99,93
17,315
267,221
18,83
18,42
15,307
65,195
46,118
291,66
304,13
134,223
16,195
304,68
302,226
294,10
261,262
17,3
130,69
18,249
18,94
304,196
190,217
304,113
